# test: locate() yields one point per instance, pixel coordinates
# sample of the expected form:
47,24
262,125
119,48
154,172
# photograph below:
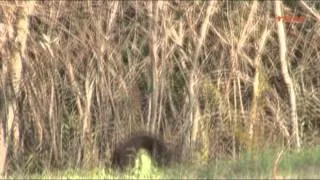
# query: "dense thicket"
96,71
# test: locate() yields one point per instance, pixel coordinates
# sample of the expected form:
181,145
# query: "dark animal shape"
125,153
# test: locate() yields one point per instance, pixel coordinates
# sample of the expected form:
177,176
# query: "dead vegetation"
205,74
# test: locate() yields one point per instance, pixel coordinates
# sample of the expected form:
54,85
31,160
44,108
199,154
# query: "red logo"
291,19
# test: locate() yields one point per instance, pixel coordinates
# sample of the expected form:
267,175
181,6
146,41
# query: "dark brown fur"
125,153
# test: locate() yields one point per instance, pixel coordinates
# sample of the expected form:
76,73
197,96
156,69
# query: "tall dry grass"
205,73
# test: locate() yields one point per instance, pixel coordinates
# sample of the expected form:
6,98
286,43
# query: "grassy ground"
302,165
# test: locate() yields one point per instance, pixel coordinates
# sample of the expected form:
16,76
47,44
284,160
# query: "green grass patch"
302,165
